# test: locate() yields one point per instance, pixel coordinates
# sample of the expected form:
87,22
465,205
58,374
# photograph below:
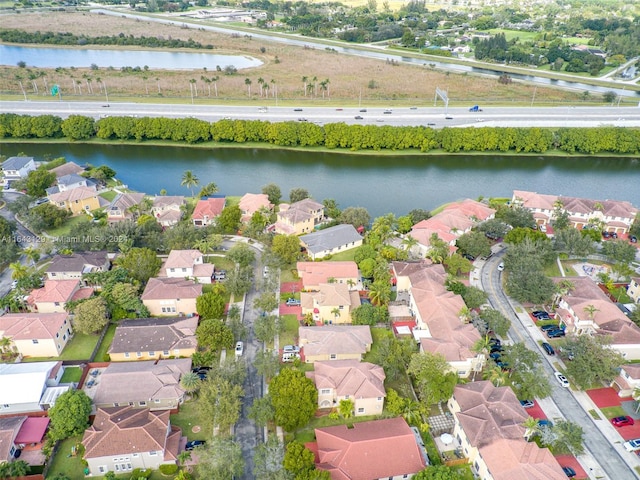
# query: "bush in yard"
139,473
168,469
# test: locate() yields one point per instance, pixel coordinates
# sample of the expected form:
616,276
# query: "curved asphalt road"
609,458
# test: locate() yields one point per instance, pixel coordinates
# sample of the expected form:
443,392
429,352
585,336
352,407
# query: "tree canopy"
294,398
433,377
141,263
70,415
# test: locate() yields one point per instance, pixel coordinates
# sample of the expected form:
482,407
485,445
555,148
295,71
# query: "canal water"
380,183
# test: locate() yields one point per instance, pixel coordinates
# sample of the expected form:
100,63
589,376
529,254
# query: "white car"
265,272
562,380
239,349
501,267
632,445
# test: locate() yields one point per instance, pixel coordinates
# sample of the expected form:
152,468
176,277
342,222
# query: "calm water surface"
381,184
84,58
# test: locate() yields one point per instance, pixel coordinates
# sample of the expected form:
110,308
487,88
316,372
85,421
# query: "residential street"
601,458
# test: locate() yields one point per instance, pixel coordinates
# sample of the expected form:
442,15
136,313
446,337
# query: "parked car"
265,272
555,333
239,349
193,444
562,380
290,356
569,472
548,348
632,445
537,313
606,234
543,422
527,403
622,421
496,349
501,267
495,342
495,356
551,326
633,239
471,258
291,349
292,302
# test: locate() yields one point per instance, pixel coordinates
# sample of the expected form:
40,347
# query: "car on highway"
297,109
632,445
239,349
302,119
293,302
193,444
562,380
527,403
388,111
358,117
569,472
555,333
413,108
363,110
622,421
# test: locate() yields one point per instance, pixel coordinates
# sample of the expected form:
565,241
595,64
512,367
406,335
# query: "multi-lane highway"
436,117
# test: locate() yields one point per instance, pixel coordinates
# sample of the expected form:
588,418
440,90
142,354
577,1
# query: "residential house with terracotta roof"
124,207
454,220
633,290
188,264
15,168
53,297
437,311
37,334
313,274
585,309
149,384
614,215
24,386
168,209
74,266
628,380
299,217
67,169
251,203
77,201
171,296
124,438
369,450
489,430
335,342
154,338
18,432
332,240
331,303
360,382
207,210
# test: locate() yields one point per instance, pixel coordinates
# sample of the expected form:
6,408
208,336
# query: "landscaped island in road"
625,141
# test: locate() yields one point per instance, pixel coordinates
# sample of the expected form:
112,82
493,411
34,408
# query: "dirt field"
349,77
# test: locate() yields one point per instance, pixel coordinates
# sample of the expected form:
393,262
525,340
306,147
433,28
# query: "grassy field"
109,195
71,374
290,334
79,348
396,84
189,417
65,463
101,355
347,255
69,224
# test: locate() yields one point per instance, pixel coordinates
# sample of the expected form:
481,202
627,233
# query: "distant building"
207,211
15,168
299,217
330,241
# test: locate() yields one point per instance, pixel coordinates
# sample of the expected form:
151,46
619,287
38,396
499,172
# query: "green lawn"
347,255
69,224
289,274
79,348
289,335
377,334
511,34
187,418
552,270
71,374
65,463
612,412
101,355
109,195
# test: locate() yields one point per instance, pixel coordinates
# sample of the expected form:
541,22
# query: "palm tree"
315,86
591,310
336,313
351,282
208,190
260,84
562,288
273,82
158,83
190,382
215,83
207,82
184,456
408,242
532,428
204,245
192,83
32,254
324,86
304,83
464,314
189,180
495,375
483,345
18,271
379,294
247,82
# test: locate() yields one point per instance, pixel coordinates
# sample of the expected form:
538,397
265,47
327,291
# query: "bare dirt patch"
350,79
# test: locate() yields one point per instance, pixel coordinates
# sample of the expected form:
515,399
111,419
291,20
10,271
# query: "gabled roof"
489,413
368,450
31,326
252,202
123,382
535,200
349,377
9,428
299,211
182,258
80,193
330,295
15,163
124,430
338,339
154,334
507,460
79,262
633,370
54,291
170,288
24,382
315,273
72,178
330,238
209,208
168,201
66,169
124,201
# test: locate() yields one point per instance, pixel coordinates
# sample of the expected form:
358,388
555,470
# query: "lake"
45,57
382,184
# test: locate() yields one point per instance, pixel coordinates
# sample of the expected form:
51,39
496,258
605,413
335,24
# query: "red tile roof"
25,326
208,208
315,273
54,291
170,288
369,450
